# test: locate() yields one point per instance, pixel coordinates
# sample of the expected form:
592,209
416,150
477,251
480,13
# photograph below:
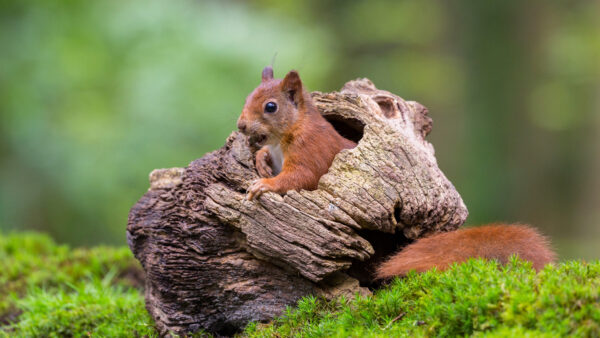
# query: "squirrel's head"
272,108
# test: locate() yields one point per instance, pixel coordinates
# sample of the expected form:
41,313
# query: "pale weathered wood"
215,260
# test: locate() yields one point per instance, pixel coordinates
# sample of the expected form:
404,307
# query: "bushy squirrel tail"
490,242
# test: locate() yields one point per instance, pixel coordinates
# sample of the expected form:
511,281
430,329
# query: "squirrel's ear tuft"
267,73
292,86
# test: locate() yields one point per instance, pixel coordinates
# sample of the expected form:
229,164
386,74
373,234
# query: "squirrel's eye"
270,107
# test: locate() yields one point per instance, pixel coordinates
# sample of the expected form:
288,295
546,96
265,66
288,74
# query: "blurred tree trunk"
494,65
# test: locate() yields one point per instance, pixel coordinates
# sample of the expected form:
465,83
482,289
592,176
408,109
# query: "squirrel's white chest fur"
276,157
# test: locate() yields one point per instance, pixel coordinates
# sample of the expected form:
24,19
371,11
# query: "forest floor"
53,290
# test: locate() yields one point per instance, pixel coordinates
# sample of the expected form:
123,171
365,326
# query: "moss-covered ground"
50,290
477,298
53,290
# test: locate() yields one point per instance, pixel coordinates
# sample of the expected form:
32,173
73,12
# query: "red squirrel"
297,146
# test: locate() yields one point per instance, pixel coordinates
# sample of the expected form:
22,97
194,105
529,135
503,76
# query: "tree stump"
216,261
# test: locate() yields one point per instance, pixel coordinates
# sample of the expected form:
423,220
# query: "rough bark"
215,261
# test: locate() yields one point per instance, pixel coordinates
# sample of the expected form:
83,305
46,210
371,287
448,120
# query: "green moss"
81,285
94,309
52,290
476,298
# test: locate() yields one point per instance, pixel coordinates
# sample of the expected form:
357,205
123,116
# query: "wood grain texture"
215,261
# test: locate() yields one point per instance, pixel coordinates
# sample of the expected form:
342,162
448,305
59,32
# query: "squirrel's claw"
257,188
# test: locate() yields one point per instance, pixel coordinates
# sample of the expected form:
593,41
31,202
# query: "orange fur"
263,163
309,143
490,242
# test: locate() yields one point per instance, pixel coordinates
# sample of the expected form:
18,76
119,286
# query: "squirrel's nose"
241,126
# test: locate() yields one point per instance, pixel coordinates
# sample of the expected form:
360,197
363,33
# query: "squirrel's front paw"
257,188
263,164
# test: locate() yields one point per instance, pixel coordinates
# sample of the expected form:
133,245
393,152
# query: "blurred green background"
96,94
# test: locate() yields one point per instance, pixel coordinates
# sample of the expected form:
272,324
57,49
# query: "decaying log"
215,261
